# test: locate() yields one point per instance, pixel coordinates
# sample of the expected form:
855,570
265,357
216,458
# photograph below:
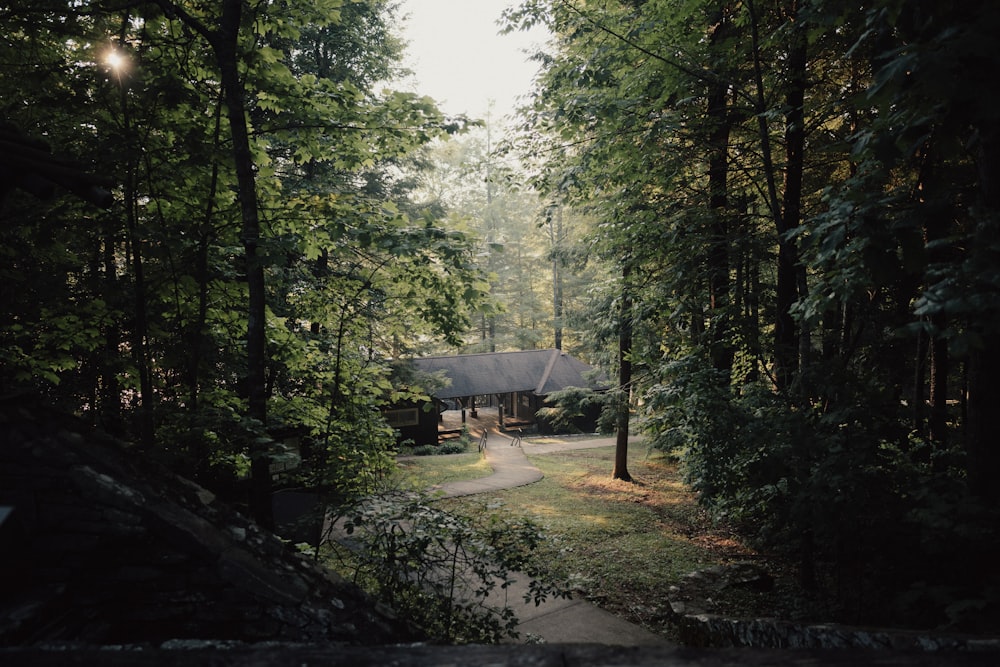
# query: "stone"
118,551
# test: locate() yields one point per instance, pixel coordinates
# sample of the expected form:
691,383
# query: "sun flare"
114,60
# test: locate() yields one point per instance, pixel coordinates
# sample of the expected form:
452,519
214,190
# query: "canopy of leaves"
142,310
800,202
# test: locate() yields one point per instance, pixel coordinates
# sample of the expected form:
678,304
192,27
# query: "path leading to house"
554,621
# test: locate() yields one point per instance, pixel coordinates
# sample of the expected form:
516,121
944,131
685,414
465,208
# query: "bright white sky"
459,59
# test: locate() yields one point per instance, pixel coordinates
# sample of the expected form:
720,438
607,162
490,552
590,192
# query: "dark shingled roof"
538,371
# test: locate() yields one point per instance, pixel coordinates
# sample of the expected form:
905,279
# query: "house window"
400,418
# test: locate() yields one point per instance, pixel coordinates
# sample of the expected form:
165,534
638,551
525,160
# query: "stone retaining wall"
706,630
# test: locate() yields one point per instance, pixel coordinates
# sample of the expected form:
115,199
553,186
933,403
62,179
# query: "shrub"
573,410
442,571
835,480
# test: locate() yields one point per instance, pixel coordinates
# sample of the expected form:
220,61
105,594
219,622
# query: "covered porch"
506,388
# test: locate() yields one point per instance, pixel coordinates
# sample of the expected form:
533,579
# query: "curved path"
554,621
511,467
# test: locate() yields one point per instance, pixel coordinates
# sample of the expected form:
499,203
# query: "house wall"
527,406
414,421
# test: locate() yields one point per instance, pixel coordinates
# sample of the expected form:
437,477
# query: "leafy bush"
446,573
572,410
837,482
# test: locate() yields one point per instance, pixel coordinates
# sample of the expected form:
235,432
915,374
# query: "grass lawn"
425,472
621,545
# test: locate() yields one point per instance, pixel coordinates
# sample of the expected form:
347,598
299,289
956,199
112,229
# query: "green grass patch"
427,471
622,545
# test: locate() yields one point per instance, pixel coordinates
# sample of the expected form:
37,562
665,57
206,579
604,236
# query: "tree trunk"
750,288
197,335
140,327
940,368
224,41
918,391
785,334
791,345
983,425
225,46
111,395
620,470
721,347
555,238
792,276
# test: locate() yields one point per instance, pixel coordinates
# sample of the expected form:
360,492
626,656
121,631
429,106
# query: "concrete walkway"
555,621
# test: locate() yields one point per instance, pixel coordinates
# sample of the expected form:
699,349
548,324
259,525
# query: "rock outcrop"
99,547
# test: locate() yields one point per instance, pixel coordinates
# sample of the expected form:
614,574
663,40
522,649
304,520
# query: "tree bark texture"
224,42
620,470
140,337
720,288
555,237
983,425
791,344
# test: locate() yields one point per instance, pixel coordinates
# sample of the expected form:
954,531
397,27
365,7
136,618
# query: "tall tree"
623,407
825,166
226,35
319,147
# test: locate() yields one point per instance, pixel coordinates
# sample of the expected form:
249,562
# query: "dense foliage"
800,201
792,255
451,574
261,262
526,245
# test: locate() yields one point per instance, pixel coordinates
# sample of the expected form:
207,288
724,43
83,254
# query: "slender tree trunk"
785,334
490,323
791,275
791,346
111,396
751,330
320,271
720,289
795,140
620,470
918,391
140,327
225,45
792,343
983,425
224,40
936,230
197,337
940,368
555,239
226,53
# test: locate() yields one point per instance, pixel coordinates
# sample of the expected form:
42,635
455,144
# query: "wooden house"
516,383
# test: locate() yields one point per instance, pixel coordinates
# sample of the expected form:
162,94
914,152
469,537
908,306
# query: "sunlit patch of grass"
425,472
542,440
622,545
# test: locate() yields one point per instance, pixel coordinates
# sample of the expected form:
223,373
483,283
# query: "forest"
775,222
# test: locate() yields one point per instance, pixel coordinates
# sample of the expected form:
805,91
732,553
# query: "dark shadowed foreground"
107,559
